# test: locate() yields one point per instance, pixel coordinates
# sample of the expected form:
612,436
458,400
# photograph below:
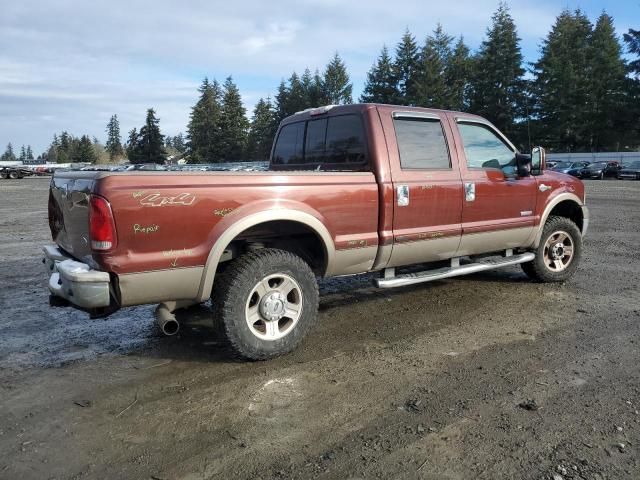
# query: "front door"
499,207
428,190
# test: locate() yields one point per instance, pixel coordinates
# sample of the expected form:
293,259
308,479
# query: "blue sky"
70,64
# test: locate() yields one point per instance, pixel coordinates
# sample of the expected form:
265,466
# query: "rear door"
427,186
499,207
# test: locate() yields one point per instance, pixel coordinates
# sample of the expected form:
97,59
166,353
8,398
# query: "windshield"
560,165
578,164
634,165
598,165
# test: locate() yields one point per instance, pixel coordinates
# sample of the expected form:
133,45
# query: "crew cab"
350,189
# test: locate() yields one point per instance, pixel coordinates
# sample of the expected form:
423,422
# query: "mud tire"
231,292
537,269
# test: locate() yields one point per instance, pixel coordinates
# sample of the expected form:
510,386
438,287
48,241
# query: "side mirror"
523,165
538,160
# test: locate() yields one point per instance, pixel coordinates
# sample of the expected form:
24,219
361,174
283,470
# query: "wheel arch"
273,218
566,205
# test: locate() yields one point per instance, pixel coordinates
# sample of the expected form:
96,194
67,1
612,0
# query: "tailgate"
69,211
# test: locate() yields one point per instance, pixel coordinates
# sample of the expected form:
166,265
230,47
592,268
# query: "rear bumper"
75,281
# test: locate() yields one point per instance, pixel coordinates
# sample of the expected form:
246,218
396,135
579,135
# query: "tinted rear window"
288,149
421,143
329,143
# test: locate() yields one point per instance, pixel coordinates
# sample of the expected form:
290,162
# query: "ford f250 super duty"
350,189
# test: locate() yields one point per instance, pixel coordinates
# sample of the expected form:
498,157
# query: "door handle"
543,187
402,192
469,191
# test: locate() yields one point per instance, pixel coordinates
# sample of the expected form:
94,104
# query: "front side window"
483,148
421,143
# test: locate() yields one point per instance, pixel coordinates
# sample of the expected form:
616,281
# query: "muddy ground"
423,382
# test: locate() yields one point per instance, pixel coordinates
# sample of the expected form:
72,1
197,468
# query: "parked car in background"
601,170
146,167
571,168
631,171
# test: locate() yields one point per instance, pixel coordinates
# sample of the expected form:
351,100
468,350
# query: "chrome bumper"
75,281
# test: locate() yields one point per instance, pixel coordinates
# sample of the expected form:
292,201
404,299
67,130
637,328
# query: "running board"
454,271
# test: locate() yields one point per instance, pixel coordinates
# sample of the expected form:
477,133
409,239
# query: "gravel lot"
423,382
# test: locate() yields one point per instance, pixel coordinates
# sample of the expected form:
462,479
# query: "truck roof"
359,108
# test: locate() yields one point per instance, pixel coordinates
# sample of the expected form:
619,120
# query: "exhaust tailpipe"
166,320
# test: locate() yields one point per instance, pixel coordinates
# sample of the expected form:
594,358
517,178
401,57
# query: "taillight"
102,228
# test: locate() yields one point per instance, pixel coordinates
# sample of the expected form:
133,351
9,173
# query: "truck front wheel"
265,302
559,252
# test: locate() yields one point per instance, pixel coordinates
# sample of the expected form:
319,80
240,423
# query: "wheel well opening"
570,210
291,236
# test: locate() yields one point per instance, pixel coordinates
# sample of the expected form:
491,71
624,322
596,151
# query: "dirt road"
488,376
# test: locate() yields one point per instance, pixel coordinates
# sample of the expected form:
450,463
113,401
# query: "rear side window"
336,143
421,144
289,149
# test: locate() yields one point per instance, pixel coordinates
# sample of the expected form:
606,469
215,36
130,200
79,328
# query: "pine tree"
179,143
114,141
561,84
203,131
234,124
336,87
29,153
606,84
498,84
632,39
297,95
64,149
430,82
262,131
8,155
84,151
457,74
23,154
149,147
405,65
382,84
132,141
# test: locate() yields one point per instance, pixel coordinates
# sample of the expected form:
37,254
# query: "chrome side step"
454,271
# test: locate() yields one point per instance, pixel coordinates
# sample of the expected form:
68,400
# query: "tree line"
579,95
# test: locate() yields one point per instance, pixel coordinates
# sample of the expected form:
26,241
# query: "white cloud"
70,64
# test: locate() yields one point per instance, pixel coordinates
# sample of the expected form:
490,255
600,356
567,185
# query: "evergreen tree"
203,131
457,74
84,151
498,84
149,147
405,65
382,84
297,95
282,96
234,124
632,39
23,154
430,82
178,143
114,142
8,155
29,153
561,84
64,148
262,131
132,141
606,84
336,87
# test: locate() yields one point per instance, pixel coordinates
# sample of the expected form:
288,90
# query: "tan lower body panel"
485,242
352,260
160,286
431,250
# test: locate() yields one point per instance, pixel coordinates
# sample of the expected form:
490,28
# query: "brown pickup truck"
350,189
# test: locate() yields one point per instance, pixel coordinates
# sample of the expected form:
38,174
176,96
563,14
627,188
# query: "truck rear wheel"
265,302
13,175
559,252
